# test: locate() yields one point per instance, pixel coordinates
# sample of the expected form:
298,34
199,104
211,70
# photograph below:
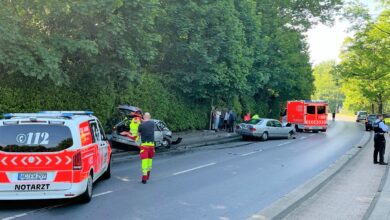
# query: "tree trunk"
380,104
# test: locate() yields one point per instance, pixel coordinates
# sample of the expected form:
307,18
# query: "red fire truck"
307,115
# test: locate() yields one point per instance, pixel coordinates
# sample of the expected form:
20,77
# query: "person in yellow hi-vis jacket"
133,127
146,131
134,124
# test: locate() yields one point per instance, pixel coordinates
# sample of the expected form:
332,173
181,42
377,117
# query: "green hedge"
150,92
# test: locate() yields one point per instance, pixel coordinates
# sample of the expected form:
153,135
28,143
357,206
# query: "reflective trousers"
146,153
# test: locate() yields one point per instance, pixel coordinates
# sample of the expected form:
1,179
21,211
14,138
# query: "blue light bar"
48,114
7,115
315,101
68,113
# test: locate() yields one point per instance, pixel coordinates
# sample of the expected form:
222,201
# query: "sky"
325,42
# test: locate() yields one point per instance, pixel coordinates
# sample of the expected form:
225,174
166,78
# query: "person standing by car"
232,120
146,131
217,116
226,120
247,117
380,128
133,125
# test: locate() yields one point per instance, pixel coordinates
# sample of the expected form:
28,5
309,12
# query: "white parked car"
264,128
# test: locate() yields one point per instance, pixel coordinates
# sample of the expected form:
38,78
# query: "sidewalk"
381,206
348,195
204,137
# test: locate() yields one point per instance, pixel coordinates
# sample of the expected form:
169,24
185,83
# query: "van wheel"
107,174
264,137
87,195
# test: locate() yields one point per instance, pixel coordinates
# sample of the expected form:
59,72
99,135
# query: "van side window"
311,110
96,136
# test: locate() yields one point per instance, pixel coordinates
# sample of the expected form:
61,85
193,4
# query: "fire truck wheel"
264,137
297,129
87,195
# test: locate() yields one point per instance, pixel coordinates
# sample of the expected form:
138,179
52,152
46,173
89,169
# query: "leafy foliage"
364,65
328,85
172,58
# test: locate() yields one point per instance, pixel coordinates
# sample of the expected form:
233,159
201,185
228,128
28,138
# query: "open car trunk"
125,111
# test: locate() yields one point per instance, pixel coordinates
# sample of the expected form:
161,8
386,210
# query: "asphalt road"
230,181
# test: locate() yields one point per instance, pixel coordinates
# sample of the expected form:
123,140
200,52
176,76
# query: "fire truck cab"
52,155
308,115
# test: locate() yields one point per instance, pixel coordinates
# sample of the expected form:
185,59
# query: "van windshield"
35,138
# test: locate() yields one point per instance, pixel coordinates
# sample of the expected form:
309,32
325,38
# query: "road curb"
282,207
211,142
126,154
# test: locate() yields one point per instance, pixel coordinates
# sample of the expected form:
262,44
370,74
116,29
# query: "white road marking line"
284,143
195,168
253,152
124,179
100,194
32,211
15,216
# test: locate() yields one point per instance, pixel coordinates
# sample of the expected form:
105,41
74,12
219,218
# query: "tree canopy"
364,67
171,57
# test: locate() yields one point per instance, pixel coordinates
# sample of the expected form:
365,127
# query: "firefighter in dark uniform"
380,128
146,131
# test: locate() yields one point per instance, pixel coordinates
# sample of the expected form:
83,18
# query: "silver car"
264,128
162,135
